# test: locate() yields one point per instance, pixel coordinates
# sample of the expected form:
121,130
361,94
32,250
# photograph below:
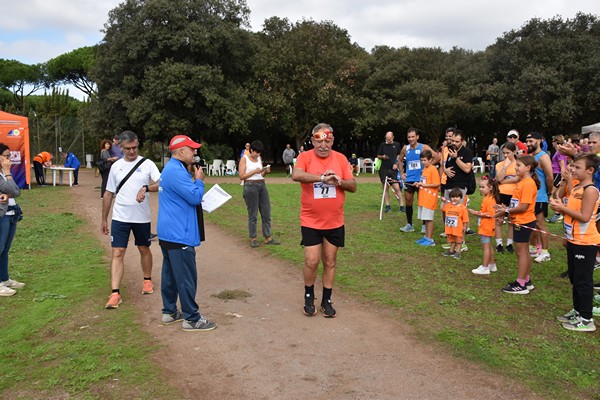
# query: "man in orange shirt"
325,176
44,159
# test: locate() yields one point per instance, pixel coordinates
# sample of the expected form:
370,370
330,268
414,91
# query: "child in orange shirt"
582,235
428,190
455,223
522,215
487,223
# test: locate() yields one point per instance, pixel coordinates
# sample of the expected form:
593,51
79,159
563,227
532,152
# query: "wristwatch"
147,188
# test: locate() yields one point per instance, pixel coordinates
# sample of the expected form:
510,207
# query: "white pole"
385,187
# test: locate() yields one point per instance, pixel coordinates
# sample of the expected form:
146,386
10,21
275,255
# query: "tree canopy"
193,66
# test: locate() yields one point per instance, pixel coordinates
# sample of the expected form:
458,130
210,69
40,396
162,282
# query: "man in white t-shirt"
131,212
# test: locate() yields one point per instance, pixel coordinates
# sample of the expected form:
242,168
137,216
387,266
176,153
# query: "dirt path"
265,348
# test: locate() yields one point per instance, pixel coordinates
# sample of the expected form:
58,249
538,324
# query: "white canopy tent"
590,128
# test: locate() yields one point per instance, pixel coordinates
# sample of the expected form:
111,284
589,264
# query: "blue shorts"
120,233
485,239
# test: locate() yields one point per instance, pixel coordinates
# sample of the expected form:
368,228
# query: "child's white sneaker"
481,270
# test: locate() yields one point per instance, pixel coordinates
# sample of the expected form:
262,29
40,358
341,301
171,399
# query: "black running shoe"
510,248
565,274
469,232
309,306
499,249
327,309
515,288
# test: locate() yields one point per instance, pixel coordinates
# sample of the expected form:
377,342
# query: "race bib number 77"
323,191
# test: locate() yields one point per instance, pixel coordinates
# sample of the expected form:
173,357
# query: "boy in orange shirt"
455,223
428,190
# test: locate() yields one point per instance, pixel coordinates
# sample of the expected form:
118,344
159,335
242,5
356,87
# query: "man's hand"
449,172
452,152
199,173
104,228
141,195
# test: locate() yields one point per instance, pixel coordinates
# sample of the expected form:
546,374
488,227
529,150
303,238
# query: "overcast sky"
35,31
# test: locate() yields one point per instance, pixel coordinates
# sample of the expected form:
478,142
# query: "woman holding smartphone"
252,174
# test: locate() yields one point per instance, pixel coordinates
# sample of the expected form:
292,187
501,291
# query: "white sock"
499,242
509,242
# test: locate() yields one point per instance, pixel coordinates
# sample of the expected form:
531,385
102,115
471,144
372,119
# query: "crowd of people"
523,183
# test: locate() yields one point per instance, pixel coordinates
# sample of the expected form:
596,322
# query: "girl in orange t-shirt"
522,215
582,235
506,176
487,223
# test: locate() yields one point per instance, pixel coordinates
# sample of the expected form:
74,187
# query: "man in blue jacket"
179,194
71,161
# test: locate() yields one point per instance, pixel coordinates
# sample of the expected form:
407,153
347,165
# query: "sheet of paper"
214,198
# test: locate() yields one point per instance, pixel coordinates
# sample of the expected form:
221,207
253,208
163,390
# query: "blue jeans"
179,278
8,228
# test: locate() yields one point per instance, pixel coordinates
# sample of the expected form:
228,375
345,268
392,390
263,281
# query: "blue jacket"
178,196
71,161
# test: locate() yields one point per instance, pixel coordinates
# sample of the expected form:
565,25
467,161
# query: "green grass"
445,303
56,340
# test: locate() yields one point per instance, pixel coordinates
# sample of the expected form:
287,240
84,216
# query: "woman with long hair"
10,213
105,156
506,177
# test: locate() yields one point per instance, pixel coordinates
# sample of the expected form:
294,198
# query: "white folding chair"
368,164
478,165
216,168
230,167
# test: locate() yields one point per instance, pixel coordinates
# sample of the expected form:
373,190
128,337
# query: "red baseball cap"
181,141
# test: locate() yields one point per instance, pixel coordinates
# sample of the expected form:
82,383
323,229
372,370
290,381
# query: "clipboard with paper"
214,198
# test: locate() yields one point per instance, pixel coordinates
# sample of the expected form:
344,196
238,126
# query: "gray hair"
322,127
127,136
595,133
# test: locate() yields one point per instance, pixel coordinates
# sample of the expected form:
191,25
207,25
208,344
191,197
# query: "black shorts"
504,199
541,208
313,237
522,234
410,187
557,179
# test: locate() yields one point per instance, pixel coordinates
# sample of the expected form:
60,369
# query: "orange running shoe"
113,301
148,287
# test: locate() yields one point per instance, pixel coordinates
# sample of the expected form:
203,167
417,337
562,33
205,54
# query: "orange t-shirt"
43,157
511,172
525,192
487,226
428,196
577,232
321,205
456,216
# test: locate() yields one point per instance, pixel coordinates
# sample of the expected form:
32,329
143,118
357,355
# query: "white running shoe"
481,270
443,234
5,291
407,228
543,257
13,284
493,267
